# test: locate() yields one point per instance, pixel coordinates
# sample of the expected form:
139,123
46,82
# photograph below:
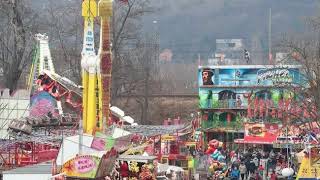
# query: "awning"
166,167
243,141
137,158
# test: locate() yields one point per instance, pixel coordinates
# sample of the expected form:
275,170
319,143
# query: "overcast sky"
188,26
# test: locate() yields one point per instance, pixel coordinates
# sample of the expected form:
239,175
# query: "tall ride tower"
96,70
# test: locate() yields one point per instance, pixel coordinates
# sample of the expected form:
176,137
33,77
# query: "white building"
228,51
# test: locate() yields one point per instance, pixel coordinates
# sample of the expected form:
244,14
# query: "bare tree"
16,39
66,32
305,49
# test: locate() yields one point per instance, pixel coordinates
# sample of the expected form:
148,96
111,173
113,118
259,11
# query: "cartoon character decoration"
213,145
216,159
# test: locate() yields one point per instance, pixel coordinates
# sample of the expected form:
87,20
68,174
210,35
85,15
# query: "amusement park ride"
56,101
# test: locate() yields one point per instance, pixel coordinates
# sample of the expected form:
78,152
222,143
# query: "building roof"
149,130
250,66
42,168
137,158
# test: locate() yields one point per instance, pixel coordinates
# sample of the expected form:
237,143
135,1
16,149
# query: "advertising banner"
102,142
247,76
261,133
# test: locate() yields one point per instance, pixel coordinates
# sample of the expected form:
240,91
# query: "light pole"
156,40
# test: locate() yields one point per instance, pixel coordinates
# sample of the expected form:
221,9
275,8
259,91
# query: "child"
235,174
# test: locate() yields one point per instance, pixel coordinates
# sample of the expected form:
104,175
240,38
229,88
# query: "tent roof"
150,130
137,158
166,167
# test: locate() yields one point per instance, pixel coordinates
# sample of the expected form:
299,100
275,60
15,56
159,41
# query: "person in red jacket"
124,170
273,176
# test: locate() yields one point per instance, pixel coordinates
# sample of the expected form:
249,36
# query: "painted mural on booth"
84,166
248,75
43,103
238,88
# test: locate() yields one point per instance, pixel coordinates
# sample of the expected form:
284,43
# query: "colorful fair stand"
85,166
89,166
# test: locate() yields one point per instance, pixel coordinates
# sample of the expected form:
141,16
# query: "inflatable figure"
215,154
213,145
216,159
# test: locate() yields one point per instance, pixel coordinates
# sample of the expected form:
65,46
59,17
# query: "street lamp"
156,40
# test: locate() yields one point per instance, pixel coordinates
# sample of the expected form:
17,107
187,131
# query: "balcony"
222,104
233,125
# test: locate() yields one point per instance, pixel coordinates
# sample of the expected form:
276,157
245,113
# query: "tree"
16,39
66,38
305,49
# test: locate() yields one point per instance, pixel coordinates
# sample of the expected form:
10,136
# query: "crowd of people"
254,164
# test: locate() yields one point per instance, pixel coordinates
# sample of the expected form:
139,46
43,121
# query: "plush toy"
215,154
134,167
221,158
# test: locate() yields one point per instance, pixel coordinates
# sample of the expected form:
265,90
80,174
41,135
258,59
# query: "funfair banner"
84,166
261,133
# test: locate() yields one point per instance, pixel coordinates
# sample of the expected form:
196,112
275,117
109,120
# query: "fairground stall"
232,95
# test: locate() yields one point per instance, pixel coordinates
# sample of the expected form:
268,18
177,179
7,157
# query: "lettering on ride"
84,165
276,75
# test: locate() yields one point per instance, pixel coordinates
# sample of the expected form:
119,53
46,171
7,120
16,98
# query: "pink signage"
98,144
84,164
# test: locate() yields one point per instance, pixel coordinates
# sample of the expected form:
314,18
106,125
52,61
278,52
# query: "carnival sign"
275,75
261,133
84,166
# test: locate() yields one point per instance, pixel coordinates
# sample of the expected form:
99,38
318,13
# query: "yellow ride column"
89,67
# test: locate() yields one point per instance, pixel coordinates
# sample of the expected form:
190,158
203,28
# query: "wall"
26,176
12,107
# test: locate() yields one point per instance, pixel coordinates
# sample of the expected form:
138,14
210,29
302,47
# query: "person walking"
243,171
273,175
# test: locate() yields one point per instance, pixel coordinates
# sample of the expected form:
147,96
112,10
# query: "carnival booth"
178,150
90,166
168,171
137,167
87,156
